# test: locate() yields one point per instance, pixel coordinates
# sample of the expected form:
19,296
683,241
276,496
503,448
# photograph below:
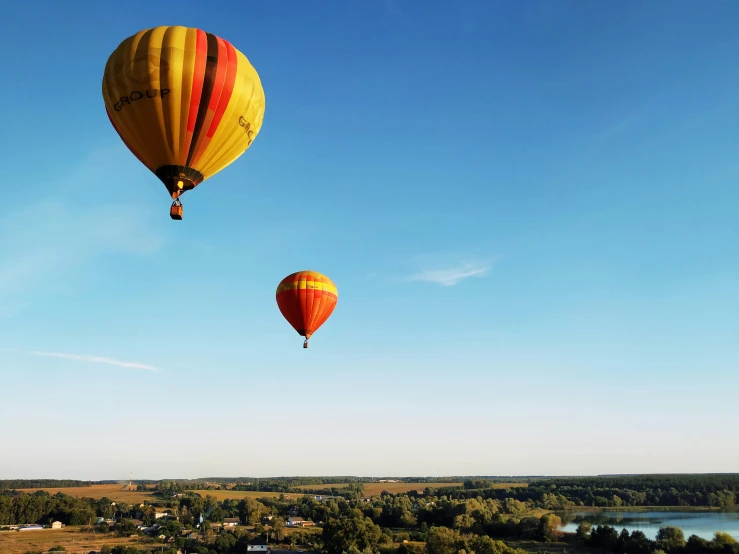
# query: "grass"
71,538
114,492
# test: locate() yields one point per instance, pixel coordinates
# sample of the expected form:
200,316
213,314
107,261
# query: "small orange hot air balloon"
306,299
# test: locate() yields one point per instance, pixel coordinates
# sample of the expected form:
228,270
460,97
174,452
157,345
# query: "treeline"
42,483
43,508
60,483
720,490
350,491
294,481
669,540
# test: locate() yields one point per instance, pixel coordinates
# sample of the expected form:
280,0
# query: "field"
75,542
113,492
371,489
222,495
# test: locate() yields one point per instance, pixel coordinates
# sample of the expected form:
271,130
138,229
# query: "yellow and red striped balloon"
306,299
185,102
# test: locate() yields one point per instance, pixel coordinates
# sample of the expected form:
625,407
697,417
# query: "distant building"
32,527
299,522
231,522
56,525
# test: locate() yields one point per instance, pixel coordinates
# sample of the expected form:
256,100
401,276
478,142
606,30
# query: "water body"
702,524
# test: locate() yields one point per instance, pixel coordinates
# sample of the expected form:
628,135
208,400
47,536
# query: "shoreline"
597,509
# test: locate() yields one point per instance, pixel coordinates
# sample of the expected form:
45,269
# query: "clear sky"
530,209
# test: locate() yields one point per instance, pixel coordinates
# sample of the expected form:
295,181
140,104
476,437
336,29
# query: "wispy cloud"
393,7
450,276
96,360
620,127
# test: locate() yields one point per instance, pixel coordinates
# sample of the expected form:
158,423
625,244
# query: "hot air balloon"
185,102
306,299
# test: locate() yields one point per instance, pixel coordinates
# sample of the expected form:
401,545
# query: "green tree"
722,539
125,528
670,538
217,515
278,528
225,542
583,530
342,533
549,525
485,545
442,540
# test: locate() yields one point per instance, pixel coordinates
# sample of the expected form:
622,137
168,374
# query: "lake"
702,524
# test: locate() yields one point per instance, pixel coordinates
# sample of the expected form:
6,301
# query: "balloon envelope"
185,102
307,299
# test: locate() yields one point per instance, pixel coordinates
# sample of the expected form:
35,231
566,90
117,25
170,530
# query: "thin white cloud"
450,276
96,359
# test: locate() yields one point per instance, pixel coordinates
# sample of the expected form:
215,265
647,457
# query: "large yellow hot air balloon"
185,102
306,299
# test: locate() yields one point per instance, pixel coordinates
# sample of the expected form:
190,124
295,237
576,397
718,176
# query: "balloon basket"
175,212
305,344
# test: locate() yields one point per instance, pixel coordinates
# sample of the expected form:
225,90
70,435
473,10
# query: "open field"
238,495
113,492
117,494
371,489
75,542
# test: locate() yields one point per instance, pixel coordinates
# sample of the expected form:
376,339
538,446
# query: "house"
231,522
56,525
266,519
257,544
158,515
299,522
32,527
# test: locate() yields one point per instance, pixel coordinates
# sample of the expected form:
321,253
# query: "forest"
714,490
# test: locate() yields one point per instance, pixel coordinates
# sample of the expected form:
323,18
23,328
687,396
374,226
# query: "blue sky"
529,209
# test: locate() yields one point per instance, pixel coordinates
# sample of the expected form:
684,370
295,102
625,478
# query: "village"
161,530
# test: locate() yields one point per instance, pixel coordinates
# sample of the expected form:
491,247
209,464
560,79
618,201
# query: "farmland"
114,492
72,539
119,494
222,495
